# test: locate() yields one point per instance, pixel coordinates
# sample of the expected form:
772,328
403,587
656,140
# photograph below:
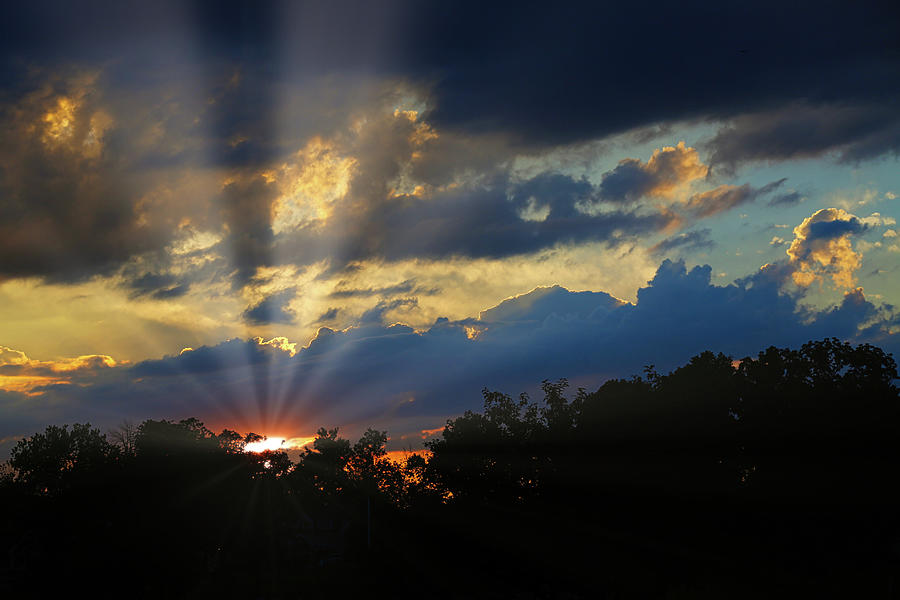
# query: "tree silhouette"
781,465
55,460
125,437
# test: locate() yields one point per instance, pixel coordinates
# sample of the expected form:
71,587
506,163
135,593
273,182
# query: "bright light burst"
272,443
278,443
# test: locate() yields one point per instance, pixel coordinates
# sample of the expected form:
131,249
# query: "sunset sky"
281,216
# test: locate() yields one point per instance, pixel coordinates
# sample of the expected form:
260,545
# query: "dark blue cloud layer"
403,380
477,221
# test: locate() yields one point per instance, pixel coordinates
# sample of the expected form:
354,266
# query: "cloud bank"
406,380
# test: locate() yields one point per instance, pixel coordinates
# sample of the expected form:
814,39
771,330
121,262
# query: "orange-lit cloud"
28,384
18,373
426,433
667,174
71,119
59,121
18,359
822,247
673,167
472,332
281,343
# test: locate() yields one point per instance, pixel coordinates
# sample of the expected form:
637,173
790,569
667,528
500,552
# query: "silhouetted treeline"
766,477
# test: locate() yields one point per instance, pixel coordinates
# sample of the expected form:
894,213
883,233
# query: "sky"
279,216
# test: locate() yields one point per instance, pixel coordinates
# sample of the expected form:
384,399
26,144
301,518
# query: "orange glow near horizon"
400,456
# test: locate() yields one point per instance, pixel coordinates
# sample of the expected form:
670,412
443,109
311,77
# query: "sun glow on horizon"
272,443
278,443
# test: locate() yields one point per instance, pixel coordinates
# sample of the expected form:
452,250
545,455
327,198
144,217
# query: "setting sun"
272,443
279,443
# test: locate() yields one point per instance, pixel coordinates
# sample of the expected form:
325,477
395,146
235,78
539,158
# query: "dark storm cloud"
579,71
350,377
272,309
95,172
56,219
546,74
478,222
497,217
215,84
485,215
627,182
558,192
855,132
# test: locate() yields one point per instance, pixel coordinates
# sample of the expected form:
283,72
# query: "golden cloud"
822,247
673,168
72,119
18,373
59,122
28,384
279,342
310,186
9,356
